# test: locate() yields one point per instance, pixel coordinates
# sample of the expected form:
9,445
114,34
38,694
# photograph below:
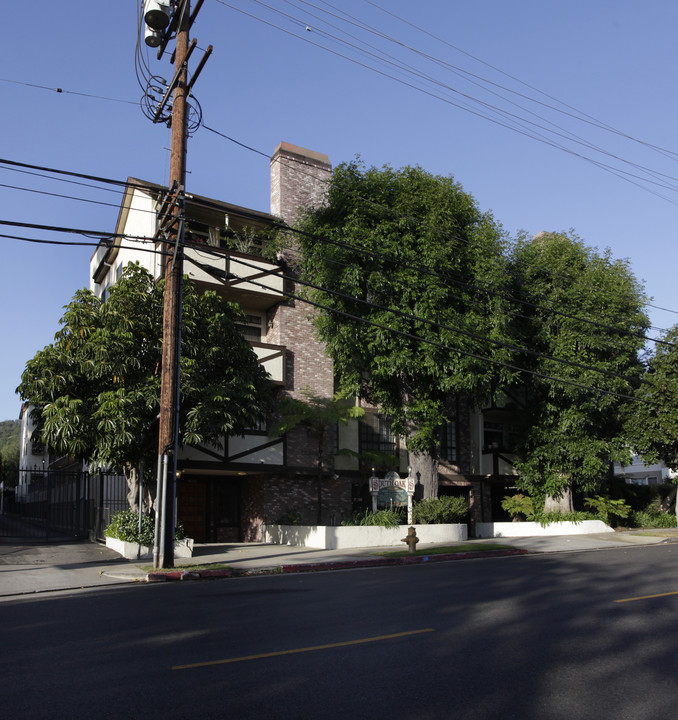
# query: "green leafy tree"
652,427
411,252
585,308
320,415
10,433
96,388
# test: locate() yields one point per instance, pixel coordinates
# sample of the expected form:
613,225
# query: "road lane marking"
361,641
647,597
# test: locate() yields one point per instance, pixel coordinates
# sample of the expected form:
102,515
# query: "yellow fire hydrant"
411,539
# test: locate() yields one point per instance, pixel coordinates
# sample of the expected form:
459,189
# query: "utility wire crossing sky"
551,117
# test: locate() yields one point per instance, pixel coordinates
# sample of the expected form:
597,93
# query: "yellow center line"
302,650
647,597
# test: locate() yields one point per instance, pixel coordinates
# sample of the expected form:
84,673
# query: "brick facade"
268,499
299,179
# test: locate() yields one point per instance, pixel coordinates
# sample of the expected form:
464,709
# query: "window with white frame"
252,328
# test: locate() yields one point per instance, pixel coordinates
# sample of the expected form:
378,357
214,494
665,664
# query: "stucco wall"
336,538
530,529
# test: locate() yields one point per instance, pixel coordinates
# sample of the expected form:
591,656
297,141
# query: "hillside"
9,433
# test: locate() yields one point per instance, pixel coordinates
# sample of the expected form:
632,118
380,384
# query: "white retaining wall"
530,529
134,551
325,537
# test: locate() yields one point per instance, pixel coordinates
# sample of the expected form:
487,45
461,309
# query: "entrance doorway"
209,508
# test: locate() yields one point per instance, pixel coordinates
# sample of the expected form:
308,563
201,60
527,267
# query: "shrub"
392,517
125,526
548,518
434,511
519,507
649,518
604,507
290,517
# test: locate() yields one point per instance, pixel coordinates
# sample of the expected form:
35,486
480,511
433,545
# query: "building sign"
392,479
391,497
393,491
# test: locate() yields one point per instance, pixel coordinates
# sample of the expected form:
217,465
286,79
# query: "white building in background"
640,473
32,454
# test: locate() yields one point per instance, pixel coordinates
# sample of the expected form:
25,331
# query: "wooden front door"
192,509
225,511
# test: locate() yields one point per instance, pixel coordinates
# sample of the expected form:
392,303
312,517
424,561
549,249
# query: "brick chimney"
299,179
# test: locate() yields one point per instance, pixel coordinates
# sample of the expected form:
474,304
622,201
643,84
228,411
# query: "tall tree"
410,252
96,388
652,426
585,308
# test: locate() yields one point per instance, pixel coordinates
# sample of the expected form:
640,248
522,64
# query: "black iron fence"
54,504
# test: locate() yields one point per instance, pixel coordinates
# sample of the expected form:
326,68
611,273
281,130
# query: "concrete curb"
188,575
405,560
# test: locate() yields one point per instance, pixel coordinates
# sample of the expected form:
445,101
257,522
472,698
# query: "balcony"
248,280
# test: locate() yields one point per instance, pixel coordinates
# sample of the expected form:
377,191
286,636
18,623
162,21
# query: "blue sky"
602,74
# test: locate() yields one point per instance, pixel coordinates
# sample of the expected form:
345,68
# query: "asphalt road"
566,636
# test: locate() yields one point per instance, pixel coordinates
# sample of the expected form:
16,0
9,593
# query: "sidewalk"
27,569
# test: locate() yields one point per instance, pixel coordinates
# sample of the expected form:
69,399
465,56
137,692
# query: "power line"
59,195
233,140
154,250
390,60
285,228
461,72
576,114
60,179
442,231
446,278
419,319
434,343
96,178
68,92
622,174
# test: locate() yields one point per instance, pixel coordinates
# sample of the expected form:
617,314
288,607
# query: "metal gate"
53,504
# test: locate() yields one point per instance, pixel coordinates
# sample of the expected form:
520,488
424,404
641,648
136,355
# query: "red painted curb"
187,574
215,573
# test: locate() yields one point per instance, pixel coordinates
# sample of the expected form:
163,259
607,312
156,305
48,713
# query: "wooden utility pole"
171,342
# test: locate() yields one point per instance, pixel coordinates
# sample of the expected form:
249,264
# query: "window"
448,441
493,435
37,448
376,435
498,436
252,328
